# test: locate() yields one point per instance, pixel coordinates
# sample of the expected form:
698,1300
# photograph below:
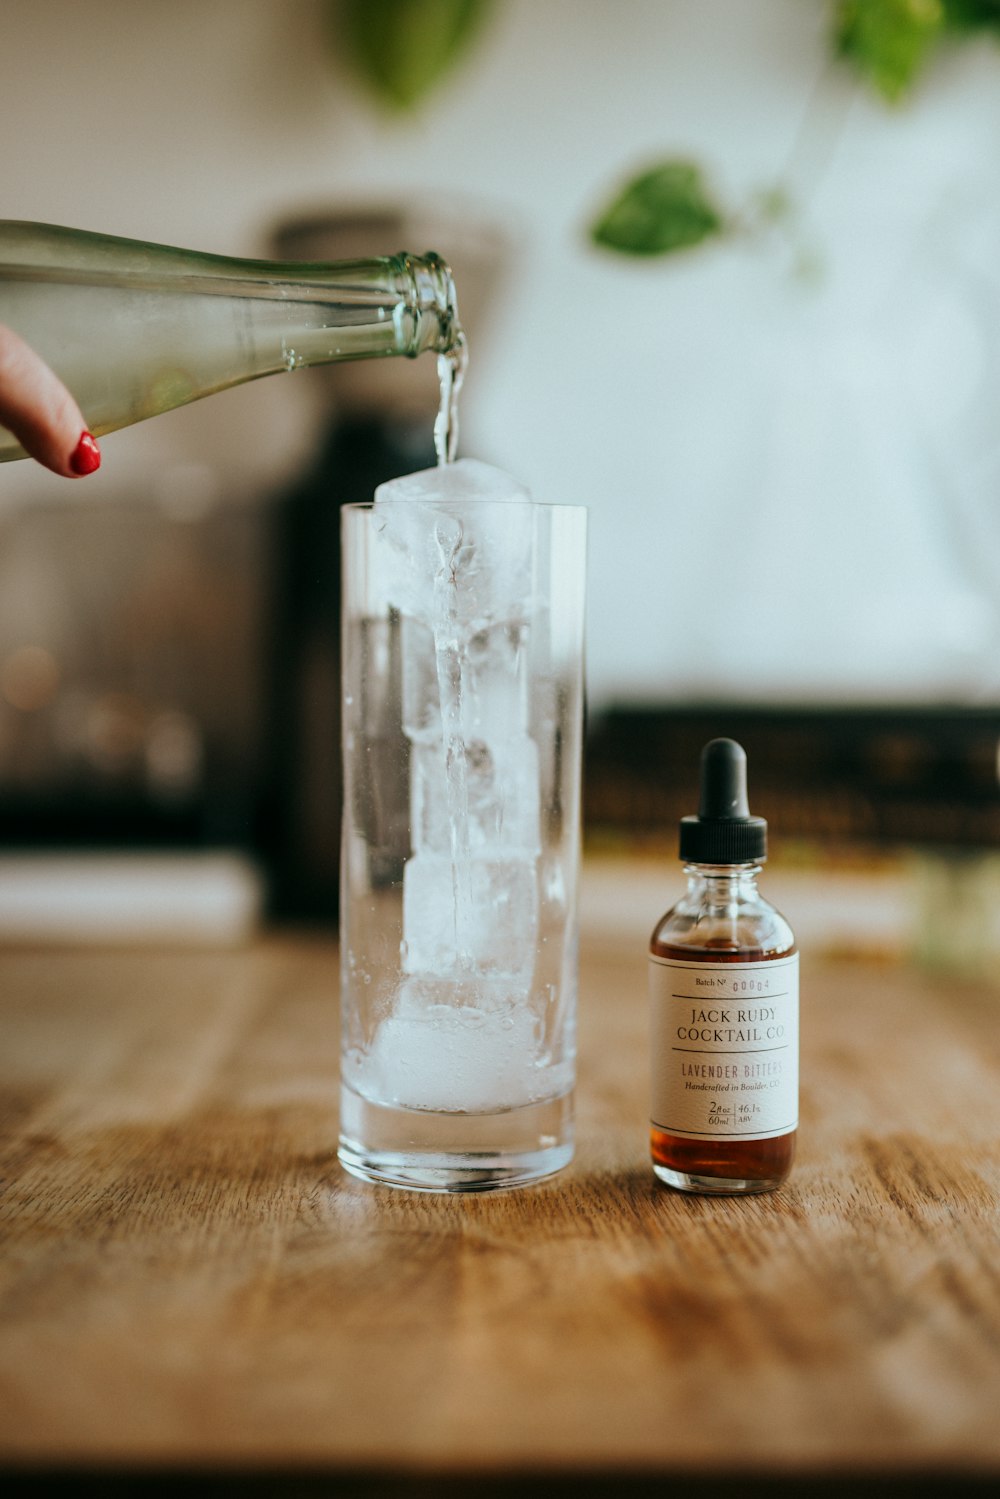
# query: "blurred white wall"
794,489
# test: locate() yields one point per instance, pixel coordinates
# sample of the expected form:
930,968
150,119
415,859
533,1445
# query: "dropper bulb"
724,831
723,780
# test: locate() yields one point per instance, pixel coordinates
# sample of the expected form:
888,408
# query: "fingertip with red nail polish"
86,456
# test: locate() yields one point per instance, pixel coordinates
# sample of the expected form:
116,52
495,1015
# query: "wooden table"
188,1282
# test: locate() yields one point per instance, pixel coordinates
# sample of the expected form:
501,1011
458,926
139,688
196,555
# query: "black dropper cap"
723,831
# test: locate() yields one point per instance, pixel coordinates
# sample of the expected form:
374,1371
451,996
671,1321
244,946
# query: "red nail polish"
86,456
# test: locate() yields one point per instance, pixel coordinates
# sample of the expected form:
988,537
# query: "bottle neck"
400,304
721,886
362,291
393,304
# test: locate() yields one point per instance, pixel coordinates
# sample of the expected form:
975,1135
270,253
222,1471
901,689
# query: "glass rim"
356,506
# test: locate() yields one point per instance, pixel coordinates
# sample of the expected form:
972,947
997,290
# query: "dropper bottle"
723,983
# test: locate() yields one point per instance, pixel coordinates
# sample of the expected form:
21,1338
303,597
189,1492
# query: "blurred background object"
750,316
131,665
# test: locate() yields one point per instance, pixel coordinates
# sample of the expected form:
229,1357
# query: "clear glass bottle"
135,329
723,979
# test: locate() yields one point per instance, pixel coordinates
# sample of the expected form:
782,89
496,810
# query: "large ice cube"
448,483
465,1046
471,916
495,696
456,544
492,696
501,787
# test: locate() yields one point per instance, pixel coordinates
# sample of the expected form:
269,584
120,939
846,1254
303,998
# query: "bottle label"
725,1048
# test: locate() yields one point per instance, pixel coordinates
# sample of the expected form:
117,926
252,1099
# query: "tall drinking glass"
462,724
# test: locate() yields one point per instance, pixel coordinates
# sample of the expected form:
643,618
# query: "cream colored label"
725,1048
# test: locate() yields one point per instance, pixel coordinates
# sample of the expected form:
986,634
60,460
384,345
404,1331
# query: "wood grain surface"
187,1279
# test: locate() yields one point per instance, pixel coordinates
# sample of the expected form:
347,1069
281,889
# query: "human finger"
38,409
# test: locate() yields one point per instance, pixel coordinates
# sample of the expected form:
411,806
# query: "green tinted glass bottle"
136,329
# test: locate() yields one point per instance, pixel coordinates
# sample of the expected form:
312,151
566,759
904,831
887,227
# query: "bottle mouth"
436,305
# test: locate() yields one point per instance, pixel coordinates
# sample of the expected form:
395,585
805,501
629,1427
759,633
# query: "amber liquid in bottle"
720,1166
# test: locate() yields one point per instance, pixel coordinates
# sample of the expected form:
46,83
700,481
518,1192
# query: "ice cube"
456,545
466,1046
501,788
495,696
446,483
476,916
492,686
491,996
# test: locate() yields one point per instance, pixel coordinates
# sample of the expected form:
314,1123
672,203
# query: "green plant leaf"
888,41
663,210
402,48
973,15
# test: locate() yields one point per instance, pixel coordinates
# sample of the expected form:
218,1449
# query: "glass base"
434,1152
719,1186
